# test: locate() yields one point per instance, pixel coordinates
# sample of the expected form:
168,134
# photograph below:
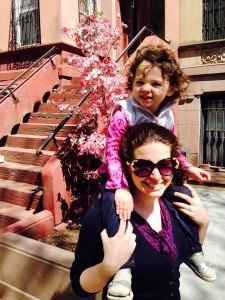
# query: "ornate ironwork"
25,24
87,7
214,134
213,20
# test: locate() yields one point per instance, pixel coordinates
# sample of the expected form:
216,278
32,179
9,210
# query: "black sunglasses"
144,167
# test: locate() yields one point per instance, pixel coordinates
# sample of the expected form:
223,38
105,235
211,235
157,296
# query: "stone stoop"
21,172
33,270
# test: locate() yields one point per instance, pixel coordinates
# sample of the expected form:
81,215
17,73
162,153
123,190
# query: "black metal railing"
69,115
8,89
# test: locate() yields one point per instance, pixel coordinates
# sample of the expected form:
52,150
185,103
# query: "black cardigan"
153,277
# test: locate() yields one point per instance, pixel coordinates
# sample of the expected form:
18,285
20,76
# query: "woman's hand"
118,249
124,203
194,209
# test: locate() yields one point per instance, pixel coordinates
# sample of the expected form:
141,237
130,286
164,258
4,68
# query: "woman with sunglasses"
157,83
149,154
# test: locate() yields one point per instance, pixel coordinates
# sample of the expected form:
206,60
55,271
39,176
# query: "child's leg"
187,224
197,261
109,217
120,286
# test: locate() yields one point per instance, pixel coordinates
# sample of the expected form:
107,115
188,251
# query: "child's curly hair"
164,58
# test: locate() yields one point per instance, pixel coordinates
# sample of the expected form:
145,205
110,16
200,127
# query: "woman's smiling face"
154,185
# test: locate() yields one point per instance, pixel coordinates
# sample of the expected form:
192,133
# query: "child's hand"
199,174
124,203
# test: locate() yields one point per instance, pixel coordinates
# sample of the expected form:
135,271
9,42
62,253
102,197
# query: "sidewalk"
193,287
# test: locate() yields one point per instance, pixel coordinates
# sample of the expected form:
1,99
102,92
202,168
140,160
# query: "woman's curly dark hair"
142,134
164,58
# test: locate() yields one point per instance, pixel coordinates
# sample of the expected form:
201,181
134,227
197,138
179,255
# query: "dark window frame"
25,24
213,129
213,27
87,7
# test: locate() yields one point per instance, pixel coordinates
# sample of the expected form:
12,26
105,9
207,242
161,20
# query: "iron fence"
214,133
213,20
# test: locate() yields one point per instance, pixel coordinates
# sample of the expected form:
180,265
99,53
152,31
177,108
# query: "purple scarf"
162,241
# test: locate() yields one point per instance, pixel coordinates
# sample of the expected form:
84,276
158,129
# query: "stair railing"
69,115
8,89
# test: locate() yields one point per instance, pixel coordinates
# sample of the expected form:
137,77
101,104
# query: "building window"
213,129
213,20
25,23
139,13
87,7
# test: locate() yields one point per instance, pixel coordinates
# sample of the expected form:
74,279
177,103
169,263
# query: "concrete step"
12,74
3,84
25,156
217,176
26,222
43,129
73,88
14,211
71,96
6,82
49,108
20,172
32,141
40,271
20,193
75,80
50,118
65,96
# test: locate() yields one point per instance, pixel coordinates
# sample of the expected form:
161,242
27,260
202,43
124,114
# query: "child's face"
149,87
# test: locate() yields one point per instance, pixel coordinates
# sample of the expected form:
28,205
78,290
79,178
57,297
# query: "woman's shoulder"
93,216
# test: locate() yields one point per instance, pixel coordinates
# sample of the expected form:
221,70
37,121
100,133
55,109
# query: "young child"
157,83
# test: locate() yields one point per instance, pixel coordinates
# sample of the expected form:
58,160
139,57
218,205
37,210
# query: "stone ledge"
30,269
36,226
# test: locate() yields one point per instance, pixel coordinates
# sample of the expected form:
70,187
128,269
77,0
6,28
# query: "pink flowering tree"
82,152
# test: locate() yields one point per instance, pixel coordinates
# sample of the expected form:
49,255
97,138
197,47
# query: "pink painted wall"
27,94
172,32
54,184
124,35
5,10
172,15
55,14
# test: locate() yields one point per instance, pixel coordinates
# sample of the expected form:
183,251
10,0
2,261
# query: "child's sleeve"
116,130
184,161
